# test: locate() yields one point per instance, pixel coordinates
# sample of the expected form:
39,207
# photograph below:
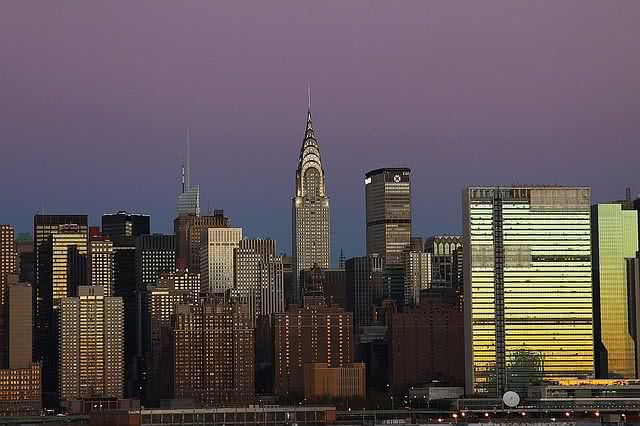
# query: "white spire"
309,94
188,165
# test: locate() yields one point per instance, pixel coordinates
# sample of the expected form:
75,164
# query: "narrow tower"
310,213
189,199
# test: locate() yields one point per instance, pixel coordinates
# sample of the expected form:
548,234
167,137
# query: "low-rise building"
322,381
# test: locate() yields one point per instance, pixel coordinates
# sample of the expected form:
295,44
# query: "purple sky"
95,96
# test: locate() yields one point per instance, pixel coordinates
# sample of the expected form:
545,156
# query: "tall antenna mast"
188,164
309,95
183,178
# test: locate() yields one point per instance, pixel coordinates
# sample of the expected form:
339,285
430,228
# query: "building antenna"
309,95
188,163
183,178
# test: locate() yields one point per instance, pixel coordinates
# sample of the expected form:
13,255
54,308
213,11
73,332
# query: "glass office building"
527,278
388,214
614,231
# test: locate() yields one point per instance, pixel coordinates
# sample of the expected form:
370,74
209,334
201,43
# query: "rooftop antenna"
183,178
309,95
188,163
628,198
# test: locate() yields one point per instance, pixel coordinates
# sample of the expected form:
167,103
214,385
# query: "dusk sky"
95,98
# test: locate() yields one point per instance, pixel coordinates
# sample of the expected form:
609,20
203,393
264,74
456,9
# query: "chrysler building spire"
311,215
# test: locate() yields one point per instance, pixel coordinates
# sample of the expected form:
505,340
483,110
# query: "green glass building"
527,286
614,231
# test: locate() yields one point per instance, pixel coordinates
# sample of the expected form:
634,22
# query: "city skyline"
103,110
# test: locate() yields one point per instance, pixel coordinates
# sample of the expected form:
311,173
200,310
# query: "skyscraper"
214,353
216,259
189,198
50,271
426,344
527,279
100,263
388,214
188,230
172,289
8,250
91,345
442,248
417,276
310,212
24,244
311,333
259,278
614,237
155,255
125,226
20,379
388,224
20,325
364,288
633,282
8,265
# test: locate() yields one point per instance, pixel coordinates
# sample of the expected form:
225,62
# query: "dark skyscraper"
123,226
442,248
364,288
311,214
388,219
53,235
426,343
154,255
388,214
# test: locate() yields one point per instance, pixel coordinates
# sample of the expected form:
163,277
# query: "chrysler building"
310,211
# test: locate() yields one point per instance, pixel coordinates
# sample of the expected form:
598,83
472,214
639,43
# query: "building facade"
364,288
155,255
188,230
313,333
310,211
162,299
418,275
214,354
614,237
259,277
388,214
322,381
91,345
8,265
527,285
100,263
426,343
123,226
21,391
56,238
189,197
217,259
633,281
442,248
